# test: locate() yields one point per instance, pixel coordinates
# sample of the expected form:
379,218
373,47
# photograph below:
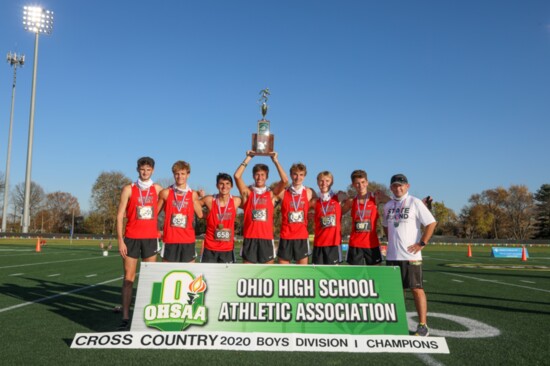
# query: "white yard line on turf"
59,295
527,281
458,281
16,274
495,281
54,275
68,260
41,253
91,275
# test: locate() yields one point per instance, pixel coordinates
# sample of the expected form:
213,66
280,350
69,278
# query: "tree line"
499,213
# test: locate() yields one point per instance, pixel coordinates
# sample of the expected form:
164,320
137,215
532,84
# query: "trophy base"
263,145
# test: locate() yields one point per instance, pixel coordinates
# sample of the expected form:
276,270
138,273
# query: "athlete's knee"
418,292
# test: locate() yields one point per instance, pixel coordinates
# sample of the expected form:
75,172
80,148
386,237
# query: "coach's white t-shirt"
404,220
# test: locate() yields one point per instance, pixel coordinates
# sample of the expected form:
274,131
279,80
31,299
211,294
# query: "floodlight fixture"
37,19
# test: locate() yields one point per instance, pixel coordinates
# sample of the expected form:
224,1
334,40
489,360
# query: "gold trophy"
263,141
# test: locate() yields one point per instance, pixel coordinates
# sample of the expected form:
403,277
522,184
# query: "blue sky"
454,94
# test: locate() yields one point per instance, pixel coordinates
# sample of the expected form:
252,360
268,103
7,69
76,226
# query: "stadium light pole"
14,60
36,20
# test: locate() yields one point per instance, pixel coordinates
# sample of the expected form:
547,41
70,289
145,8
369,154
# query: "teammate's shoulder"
164,191
128,187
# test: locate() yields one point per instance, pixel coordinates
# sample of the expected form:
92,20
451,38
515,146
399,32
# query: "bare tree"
62,207
495,200
520,207
105,197
36,200
499,214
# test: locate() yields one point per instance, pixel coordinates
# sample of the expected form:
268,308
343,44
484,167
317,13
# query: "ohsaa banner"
354,300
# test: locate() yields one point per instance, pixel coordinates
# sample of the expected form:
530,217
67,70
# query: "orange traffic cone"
38,246
469,251
523,254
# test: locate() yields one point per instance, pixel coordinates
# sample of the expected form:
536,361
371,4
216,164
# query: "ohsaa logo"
177,302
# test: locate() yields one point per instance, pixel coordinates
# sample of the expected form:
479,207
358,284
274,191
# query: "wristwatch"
422,244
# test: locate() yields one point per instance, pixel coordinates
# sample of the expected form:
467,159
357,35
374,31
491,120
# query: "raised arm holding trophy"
257,199
263,141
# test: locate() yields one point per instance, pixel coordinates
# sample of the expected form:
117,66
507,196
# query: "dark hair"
358,174
224,176
145,161
261,168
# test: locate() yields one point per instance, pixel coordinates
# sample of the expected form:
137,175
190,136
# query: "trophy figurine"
262,142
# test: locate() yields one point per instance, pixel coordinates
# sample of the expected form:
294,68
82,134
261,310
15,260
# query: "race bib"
259,215
222,234
328,221
178,220
362,226
144,212
296,217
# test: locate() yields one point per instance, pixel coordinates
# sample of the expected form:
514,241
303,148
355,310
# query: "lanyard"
323,207
361,213
255,199
221,216
296,204
179,204
143,201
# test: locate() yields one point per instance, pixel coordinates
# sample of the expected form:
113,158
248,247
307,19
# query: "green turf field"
491,311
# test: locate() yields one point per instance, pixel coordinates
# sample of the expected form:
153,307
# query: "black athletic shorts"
213,256
141,248
411,273
183,253
361,256
293,249
258,250
327,255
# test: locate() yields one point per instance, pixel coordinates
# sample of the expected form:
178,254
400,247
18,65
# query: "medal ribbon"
221,216
361,213
179,204
294,203
140,195
323,207
254,199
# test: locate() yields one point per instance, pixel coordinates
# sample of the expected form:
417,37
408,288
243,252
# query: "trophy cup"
262,142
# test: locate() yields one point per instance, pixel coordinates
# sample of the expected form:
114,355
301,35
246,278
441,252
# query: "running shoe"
422,330
124,325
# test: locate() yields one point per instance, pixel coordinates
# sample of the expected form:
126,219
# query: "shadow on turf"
487,305
92,307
